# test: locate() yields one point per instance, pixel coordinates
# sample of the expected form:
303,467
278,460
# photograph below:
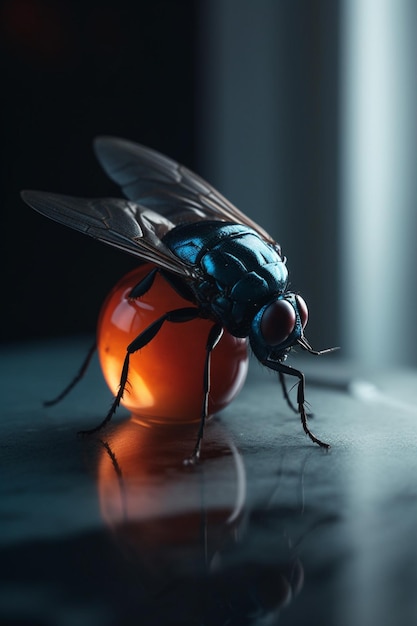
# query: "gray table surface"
112,529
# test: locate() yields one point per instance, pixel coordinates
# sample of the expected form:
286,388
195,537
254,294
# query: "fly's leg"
175,282
285,392
76,378
281,368
139,290
213,339
287,395
177,316
144,285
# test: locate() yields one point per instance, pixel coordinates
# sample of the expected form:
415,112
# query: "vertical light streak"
378,148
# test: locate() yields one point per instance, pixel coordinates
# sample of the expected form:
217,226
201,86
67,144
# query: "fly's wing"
117,222
158,182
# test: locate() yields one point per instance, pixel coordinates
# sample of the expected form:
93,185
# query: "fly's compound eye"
302,310
278,322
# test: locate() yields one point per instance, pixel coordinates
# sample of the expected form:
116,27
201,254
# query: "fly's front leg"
285,392
287,395
177,316
213,339
282,369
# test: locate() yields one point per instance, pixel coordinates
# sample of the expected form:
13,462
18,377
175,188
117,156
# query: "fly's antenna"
302,341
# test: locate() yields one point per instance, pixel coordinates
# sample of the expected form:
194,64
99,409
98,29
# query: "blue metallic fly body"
229,269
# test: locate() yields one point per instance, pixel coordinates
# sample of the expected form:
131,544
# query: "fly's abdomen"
240,270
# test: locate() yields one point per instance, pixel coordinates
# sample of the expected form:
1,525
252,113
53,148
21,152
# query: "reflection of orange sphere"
165,379
156,508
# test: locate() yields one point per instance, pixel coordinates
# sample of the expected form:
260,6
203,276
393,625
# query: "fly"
230,269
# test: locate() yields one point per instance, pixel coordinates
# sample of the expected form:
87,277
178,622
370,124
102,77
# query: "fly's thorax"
277,326
238,270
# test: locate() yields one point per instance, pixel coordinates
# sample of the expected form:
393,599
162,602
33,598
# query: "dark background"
71,71
302,113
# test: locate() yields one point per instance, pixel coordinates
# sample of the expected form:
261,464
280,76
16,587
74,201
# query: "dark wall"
71,71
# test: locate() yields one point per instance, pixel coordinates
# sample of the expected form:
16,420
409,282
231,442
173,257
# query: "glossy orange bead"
165,379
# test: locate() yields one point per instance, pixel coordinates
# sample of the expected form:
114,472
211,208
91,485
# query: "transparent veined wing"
154,180
115,221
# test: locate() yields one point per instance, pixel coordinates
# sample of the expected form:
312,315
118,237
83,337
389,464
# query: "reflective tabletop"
113,529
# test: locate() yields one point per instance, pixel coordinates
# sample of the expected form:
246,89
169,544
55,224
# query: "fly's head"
278,326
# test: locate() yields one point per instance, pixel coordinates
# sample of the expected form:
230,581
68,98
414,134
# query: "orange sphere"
165,378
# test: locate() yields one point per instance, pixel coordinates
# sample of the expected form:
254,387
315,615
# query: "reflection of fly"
224,264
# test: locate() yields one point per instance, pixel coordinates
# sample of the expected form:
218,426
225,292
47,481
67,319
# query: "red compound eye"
302,310
278,322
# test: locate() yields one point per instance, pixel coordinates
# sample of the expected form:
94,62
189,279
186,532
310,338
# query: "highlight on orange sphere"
165,379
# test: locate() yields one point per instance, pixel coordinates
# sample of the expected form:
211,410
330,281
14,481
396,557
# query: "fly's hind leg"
144,285
178,284
213,339
139,290
177,316
75,380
